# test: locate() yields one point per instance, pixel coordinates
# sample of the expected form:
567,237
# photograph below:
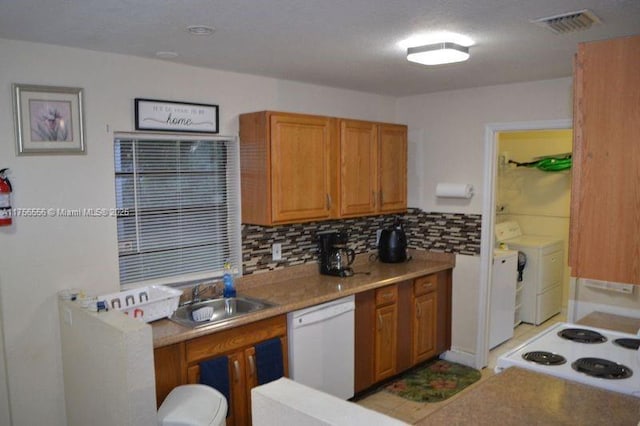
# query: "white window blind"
179,207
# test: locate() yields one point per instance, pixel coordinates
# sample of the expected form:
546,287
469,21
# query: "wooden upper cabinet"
285,162
605,199
373,168
393,168
300,179
358,167
301,168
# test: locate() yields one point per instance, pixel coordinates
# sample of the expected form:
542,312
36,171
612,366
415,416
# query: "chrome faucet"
195,293
198,289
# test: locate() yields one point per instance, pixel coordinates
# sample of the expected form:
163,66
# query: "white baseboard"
464,358
583,309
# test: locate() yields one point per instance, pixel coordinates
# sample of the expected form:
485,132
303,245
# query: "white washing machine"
543,273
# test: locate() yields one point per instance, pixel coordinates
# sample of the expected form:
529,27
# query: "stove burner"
601,368
544,358
582,335
628,343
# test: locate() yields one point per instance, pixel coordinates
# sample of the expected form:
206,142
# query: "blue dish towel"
269,364
215,373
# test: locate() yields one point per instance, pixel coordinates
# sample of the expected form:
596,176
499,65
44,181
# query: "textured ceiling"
348,43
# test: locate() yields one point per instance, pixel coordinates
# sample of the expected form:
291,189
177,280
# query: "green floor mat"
433,382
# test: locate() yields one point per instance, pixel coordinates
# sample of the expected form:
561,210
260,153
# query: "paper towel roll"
454,190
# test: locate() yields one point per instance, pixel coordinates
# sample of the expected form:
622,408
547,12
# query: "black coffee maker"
335,256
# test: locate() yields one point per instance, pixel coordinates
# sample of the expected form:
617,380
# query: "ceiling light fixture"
422,39
166,54
438,53
200,30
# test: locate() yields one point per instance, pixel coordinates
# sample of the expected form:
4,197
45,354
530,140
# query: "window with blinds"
178,201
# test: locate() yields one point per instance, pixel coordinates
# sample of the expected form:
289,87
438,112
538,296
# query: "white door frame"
488,219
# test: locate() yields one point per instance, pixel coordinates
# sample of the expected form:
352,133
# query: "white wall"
108,368
446,138
285,402
589,299
446,144
5,416
527,191
465,294
44,255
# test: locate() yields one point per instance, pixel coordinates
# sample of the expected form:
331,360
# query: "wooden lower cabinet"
169,373
179,363
385,342
424,314
400,326
424,327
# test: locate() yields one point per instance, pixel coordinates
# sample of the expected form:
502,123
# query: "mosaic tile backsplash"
443,232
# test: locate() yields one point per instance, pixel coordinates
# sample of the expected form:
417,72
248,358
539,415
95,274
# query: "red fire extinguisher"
5,199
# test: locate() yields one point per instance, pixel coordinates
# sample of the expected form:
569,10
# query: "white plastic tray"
148,303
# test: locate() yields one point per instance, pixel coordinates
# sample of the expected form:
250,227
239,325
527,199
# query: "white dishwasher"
321,346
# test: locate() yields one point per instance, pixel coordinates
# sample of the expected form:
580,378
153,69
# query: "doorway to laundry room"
533,186
528,205
532,197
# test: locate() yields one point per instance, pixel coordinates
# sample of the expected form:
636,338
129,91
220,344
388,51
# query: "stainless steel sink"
223,310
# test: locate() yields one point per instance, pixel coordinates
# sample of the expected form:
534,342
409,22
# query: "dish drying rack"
148,303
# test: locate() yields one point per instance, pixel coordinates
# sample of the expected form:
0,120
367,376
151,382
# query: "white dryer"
543,273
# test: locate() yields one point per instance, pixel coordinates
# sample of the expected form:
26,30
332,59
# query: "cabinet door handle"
236,368
381,199
379,322
375,200
419,313
252,365
329,202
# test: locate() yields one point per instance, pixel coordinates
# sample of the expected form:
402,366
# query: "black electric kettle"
392,247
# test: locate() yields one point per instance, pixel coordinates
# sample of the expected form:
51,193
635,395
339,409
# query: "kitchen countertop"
302,286
611,322
518,397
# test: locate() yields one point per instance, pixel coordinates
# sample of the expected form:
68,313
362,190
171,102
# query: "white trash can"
193,405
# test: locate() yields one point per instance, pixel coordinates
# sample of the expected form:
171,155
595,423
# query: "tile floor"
412,412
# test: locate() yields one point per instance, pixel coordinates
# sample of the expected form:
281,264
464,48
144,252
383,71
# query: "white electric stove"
597,357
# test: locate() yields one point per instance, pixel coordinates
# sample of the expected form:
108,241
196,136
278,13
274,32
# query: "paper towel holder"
454,190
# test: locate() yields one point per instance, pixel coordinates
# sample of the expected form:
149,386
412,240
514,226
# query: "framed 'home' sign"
169,116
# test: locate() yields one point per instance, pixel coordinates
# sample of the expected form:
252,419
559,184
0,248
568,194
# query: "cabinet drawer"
425,284
226,341
552,270
386,295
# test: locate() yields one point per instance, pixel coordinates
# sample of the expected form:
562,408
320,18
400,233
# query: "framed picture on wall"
172,116
48,119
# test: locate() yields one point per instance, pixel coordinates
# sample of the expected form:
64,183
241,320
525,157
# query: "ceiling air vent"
569,22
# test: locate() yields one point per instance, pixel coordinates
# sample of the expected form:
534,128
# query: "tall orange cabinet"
605,204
